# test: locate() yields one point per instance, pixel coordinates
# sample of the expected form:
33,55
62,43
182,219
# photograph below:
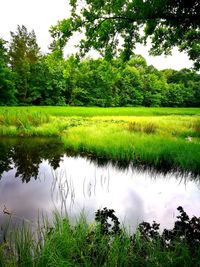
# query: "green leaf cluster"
29,78
112,26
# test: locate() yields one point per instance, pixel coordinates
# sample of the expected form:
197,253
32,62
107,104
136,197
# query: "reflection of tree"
55,161
27,159
27,154
5,158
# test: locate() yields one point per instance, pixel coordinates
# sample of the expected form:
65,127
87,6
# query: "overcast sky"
41,14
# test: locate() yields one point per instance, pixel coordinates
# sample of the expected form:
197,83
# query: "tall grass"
112,142
149,128
152,136
27,123
104,244
197,127
23,119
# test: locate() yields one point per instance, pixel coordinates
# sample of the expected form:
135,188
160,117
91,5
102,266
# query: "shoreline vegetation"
103,243
167,138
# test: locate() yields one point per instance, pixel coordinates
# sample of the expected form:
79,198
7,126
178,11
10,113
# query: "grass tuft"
148,128
104,244
197,127
159,137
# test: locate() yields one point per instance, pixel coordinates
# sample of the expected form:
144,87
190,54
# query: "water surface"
38,176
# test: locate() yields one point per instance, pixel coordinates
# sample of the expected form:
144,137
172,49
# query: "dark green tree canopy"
23,46
24,53
115,26
7,90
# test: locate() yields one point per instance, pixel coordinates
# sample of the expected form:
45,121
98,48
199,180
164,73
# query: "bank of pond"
155,137
52,209
104,243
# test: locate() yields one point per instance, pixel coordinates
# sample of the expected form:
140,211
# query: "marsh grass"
103,244
26,123
23,119
148,128
21,123
196,127
111,142
97,111
158,137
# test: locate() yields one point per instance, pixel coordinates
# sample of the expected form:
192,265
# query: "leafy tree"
175,95
95,84
71,75
7,89
24,54
55,84
106,77
190,82
131,86
152,88
167,23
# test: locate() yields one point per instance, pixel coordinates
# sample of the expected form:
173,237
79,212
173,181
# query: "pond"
37,177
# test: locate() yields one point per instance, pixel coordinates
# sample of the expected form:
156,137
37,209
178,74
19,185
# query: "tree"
91,82
190,82
55,84
24,54
131,85
7,89
167,23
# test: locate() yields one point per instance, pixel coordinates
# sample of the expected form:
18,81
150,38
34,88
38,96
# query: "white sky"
41,14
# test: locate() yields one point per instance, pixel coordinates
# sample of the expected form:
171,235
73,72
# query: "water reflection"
27,154
136,196
50,179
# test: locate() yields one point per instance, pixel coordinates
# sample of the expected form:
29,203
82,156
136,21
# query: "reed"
158,137
104,243
197,127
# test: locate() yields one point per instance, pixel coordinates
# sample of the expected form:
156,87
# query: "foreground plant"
106,243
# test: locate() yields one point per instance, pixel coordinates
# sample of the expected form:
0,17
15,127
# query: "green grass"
115,142
97,111
167,138
82,244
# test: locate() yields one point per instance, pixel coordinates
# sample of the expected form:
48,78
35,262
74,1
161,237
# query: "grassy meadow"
165,138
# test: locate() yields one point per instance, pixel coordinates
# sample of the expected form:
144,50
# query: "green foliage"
197,127
148,128
167,23
100,83
104,243
55,83
7,89
29,78
157,137
23,55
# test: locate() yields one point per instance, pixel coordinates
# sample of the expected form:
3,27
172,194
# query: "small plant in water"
102,217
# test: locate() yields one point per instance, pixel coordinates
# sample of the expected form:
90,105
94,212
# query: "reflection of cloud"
80,185
24,200
133,209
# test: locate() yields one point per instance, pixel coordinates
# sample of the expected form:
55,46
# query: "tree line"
28,77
